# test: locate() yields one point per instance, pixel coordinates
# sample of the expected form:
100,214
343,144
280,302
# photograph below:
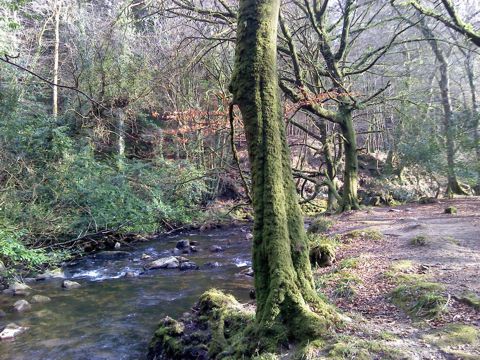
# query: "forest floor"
425,260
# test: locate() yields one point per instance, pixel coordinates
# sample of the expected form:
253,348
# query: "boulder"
216,248
68,285
12,330
112,255
38,299
130,274
169,262
177,251
18,289
188,265
51,274
22,305
183,244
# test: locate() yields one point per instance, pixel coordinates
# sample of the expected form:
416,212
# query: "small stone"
146,257
169,262
189,265
193,242
183,244
117,245
252,294
22,305
67,284
38,299
177,251
2,314
182,259
216,248
249,236
2,267
193,249
12,330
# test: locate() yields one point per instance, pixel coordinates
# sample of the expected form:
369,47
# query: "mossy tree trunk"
350,176
285,292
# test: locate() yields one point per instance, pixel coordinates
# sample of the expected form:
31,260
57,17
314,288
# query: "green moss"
367,234
349,347
418,297
419,240
322,249
344,283
387,336
398,268
470,299
320,225
454,334
451,210
452,240
311,350
167,338
313,208
350,263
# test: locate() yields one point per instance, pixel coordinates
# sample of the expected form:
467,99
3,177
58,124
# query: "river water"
114,317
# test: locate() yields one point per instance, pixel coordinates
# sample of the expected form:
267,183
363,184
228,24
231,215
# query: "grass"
350,263
471,299
419,240
456,340
320,225
364,234
414,293
349,347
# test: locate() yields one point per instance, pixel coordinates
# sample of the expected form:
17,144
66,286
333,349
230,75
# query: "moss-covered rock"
213,330
452,210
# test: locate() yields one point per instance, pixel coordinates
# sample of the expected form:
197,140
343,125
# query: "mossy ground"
414,293
364,234
459,340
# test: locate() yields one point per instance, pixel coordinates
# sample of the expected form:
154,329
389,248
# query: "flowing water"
112,316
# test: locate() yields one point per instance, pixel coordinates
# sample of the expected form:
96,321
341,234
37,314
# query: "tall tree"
283,279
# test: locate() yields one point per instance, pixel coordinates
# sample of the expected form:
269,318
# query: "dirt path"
449,255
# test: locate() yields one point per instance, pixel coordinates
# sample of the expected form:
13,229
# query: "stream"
112,316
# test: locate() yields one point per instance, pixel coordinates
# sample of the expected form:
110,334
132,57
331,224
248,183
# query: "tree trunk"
119,115
284,285
453,187
332,203
350,176
475,117
56,51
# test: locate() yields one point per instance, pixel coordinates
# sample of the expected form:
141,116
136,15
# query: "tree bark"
56,51
284,285
350,176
